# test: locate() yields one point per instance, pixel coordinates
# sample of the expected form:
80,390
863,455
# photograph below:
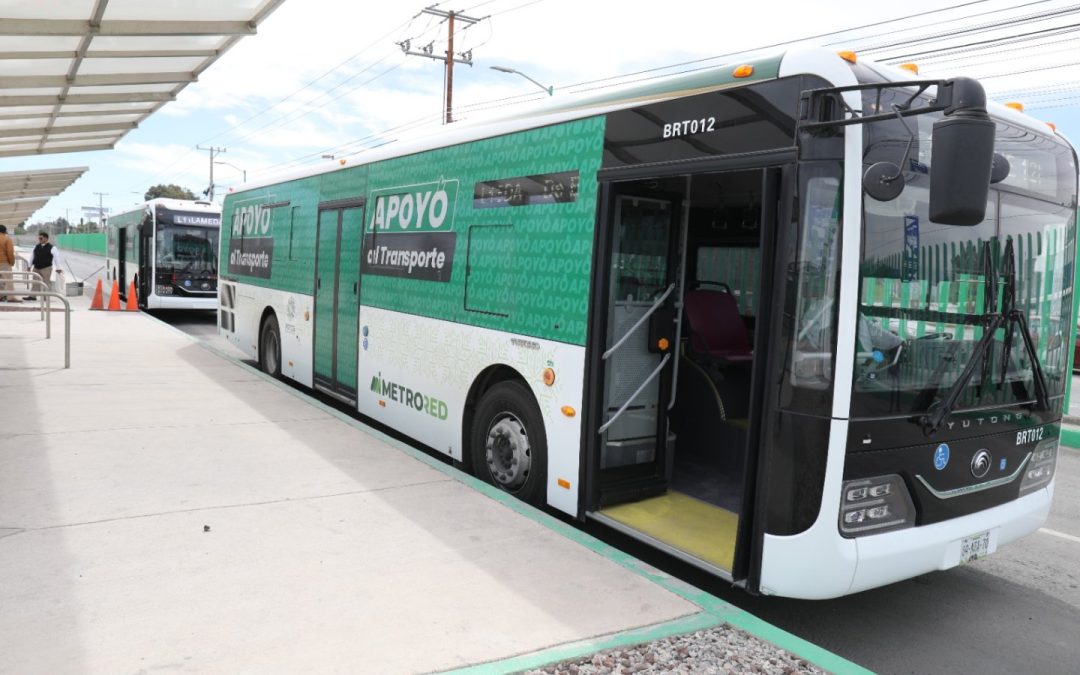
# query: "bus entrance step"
627,491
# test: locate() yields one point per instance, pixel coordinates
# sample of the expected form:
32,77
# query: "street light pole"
101,210
502,69
213,153
242,171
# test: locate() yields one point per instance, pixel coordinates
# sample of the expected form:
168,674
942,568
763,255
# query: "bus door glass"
645,218
120,273
147,273
337,298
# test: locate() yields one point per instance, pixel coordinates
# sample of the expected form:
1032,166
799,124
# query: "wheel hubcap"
509,456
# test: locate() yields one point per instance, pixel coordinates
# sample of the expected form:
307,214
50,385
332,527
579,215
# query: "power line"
309,107
990,42
977,52
975,30
778,44
380,40
625,78
905,29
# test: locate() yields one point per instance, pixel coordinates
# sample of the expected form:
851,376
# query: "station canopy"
77,75
24,192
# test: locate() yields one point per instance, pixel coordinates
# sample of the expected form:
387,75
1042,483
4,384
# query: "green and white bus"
169,249
802,321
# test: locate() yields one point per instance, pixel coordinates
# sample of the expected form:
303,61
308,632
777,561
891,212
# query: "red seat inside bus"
717,331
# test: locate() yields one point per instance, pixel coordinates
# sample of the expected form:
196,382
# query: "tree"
171,191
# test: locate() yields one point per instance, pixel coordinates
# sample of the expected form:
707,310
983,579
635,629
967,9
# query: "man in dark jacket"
45,258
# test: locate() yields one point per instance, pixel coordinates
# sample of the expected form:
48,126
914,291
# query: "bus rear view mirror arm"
963,141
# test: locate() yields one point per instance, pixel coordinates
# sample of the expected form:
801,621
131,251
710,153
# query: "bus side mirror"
961,158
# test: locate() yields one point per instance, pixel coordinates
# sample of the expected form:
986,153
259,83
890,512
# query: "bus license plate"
974,547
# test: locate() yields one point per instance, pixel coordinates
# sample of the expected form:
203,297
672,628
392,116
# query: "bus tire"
270,347
508,444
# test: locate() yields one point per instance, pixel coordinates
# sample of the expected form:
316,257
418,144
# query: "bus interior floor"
707,483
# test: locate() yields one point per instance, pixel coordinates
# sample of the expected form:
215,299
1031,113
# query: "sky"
327,77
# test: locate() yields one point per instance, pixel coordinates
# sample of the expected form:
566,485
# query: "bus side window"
490,286
738,267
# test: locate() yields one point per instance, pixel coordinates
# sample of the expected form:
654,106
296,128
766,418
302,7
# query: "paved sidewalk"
163,508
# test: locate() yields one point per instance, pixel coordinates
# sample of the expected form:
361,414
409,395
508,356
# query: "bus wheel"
509,447
270,347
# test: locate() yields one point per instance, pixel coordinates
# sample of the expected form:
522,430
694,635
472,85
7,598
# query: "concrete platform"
163,508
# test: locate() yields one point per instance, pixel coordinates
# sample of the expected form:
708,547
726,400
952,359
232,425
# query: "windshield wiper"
1015,316
1009,315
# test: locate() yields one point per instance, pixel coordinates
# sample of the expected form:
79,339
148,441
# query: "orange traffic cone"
114,297
97,302
132,301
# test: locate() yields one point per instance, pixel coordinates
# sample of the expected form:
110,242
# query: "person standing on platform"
7,259
44,259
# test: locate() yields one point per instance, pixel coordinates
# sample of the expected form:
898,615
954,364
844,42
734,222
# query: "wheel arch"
485,380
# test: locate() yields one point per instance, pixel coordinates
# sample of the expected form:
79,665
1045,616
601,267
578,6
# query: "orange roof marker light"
850,57
1053,127
745,70
1019,107
913,67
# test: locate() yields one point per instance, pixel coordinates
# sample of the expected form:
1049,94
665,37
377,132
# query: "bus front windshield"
927,290
187,250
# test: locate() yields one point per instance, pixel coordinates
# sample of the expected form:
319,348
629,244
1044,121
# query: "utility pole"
214,152
448,59
101,210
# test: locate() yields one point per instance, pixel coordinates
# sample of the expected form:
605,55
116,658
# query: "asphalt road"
200,324
1017,611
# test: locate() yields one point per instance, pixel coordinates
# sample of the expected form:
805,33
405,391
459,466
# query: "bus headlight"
1040,468
873,505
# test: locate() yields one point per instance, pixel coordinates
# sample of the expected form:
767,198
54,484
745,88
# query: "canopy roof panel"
67,59
23,192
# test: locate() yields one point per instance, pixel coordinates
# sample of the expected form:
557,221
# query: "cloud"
325,75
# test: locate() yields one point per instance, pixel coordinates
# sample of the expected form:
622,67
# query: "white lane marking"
1046,530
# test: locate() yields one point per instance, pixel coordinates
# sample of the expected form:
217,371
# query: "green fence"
93,242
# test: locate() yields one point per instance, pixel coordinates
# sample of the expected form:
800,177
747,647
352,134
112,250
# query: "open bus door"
685,264
119,272
144,280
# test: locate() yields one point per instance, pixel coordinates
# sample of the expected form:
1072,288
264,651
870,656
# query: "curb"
714,611
1070,435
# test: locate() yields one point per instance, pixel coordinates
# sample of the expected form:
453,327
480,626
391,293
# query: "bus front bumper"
181,302
819,564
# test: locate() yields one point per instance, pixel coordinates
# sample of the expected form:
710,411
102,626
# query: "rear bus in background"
630,307
167,248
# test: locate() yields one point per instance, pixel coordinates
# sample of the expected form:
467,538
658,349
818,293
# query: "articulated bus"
802,321
169,249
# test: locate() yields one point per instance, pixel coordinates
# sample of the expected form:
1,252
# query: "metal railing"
644,317
32,280
626,336
48,320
